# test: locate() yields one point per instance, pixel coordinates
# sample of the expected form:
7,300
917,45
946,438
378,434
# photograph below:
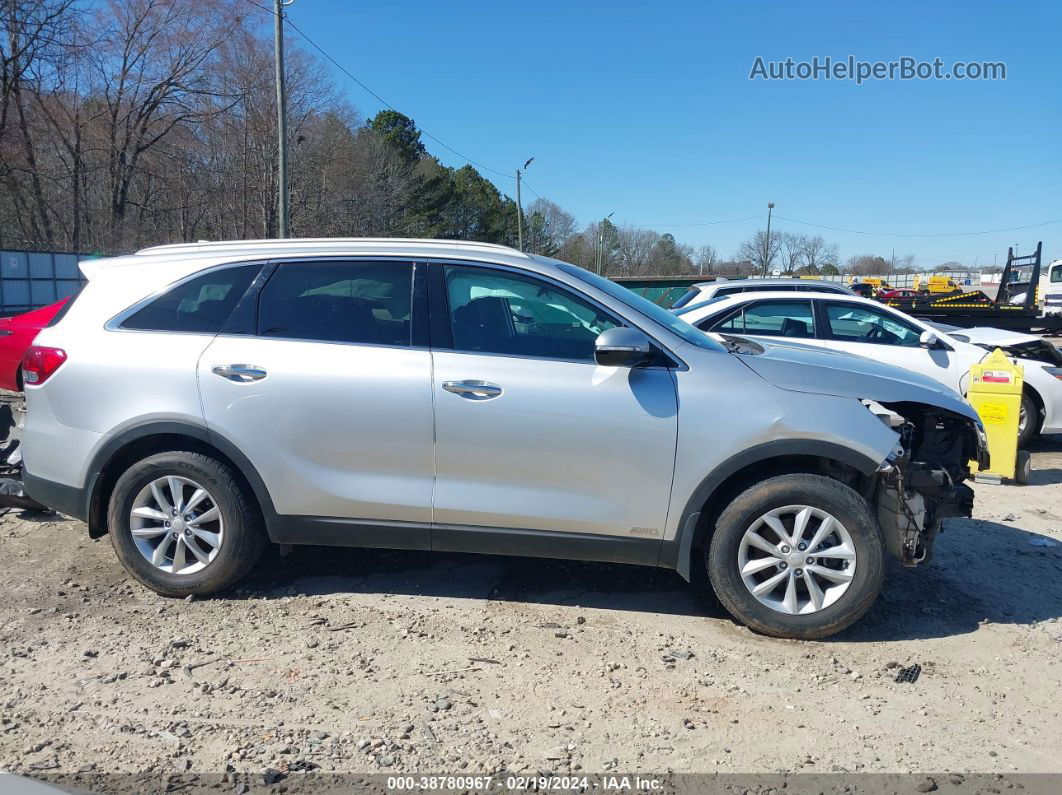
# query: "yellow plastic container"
995,393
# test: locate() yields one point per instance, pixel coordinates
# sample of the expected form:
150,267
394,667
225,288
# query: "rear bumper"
67,500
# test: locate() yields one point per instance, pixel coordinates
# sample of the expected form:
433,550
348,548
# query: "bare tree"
155,72
706,260
634,249
548,227
791,247
867,265
816,253
757,251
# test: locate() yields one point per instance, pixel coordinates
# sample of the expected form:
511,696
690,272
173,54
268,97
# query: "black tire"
829,495
244,538
1032,424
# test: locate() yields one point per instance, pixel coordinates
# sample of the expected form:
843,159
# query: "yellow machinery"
995,394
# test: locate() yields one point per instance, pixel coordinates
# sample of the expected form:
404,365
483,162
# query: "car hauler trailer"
1015,307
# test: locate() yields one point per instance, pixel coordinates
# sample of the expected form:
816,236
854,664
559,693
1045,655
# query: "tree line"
127,123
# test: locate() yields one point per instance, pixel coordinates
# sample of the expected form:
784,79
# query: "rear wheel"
181,524
797,556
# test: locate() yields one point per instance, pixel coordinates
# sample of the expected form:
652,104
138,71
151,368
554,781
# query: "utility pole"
601,243
282,120
520,208
767,240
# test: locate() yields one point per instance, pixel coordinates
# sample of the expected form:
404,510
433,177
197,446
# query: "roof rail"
309,242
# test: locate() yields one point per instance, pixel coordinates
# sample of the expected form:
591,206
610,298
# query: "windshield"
656,313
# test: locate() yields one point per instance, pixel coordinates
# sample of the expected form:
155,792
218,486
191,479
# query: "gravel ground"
368,661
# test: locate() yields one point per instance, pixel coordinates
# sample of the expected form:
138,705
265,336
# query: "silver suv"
197,402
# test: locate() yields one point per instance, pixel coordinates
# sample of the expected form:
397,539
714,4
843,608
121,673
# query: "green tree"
401,132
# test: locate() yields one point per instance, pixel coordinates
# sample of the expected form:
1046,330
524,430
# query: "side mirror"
622,347
928,340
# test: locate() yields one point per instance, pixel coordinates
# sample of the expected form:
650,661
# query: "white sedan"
868,328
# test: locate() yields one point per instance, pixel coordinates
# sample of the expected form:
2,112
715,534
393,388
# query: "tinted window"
772,319
363,302
728,290
854,323
493,311
199,305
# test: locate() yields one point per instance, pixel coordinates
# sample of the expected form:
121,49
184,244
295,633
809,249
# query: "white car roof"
697,312
192,257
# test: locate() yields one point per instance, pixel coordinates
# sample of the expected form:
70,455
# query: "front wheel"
182,524
797,556
1028,420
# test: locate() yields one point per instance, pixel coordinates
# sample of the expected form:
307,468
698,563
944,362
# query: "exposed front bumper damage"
921,483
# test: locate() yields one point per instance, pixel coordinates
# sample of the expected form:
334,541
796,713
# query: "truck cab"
1051,288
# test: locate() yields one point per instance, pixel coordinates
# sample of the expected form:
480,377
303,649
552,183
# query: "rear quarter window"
200,305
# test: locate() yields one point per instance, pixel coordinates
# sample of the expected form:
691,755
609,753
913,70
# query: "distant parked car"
705,291
867,328
898,293
16,335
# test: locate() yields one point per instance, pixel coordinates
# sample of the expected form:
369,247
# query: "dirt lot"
364,661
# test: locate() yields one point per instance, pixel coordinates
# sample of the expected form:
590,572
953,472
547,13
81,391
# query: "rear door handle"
473,390
240,373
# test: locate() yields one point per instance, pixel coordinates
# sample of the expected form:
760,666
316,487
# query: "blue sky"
646,110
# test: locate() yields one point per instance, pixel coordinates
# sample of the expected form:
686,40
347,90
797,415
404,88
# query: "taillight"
40,362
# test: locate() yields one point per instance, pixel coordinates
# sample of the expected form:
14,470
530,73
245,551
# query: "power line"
380,99
523,181
712,223
914,234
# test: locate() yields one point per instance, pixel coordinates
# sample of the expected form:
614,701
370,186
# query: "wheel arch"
780,456
138,442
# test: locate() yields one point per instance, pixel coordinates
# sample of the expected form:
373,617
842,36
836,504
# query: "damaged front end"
921,482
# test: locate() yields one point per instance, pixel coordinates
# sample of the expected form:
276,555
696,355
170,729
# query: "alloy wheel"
176,525
797,559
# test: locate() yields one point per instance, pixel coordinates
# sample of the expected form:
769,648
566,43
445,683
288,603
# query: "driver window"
494,311
859,324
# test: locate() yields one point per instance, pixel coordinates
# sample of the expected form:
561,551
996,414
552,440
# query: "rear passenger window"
362,302
200,305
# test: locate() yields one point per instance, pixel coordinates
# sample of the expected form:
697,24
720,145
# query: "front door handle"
240,373
473,390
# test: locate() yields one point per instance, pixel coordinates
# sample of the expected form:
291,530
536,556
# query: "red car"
16,335
898,293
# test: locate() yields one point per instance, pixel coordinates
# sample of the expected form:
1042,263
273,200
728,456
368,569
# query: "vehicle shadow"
983,571
318,570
